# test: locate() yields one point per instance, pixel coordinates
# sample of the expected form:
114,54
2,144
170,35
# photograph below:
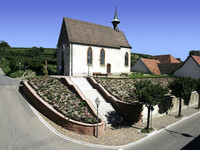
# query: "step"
91,94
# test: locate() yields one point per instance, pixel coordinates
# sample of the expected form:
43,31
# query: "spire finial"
115,21
115,13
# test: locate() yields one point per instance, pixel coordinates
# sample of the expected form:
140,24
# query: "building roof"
152,65
82,32
157,67
168,67
166,59
197,59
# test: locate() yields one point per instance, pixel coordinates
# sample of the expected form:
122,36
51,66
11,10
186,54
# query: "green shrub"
29,73
4,64
17,74
52,69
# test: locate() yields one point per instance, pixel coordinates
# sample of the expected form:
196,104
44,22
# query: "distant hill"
135,57
14,58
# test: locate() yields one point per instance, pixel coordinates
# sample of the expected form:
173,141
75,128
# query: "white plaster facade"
75,60
189,69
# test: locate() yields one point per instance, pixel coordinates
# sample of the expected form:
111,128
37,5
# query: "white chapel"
85,48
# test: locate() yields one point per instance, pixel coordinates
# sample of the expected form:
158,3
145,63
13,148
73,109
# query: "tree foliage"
4,45
150,94
194,52
182,88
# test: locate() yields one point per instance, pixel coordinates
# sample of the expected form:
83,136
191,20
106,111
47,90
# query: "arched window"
89,55
102,57
126,59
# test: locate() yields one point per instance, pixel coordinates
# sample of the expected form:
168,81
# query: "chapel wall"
114,57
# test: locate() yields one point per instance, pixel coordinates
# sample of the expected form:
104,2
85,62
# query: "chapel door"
108,68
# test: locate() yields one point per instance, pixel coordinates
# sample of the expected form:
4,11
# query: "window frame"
126,59
89,60
102,58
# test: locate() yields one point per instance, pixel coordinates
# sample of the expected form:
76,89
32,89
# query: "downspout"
71,59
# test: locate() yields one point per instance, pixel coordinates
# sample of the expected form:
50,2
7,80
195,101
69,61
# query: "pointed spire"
115,21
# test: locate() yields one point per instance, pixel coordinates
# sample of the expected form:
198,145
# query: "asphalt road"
179,136
20,128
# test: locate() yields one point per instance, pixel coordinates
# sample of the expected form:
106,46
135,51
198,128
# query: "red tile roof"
197,59
152,65
166,59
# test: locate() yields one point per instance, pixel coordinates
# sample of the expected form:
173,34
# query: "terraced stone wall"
131,112
52,114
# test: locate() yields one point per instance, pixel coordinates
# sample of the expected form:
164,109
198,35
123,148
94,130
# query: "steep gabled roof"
82,32
152,65
197,59
166,59
168,67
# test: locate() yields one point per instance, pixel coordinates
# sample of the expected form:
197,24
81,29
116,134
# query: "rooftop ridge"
87,23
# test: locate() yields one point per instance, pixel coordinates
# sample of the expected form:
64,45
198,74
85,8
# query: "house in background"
84,48
190,68
160,64
166,59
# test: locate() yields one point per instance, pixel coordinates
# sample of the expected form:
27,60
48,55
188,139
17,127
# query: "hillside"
135,57
20,58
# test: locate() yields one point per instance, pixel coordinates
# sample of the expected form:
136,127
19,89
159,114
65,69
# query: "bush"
52,69
29,73
17,74
4,64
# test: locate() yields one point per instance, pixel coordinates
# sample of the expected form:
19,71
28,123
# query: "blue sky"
151,26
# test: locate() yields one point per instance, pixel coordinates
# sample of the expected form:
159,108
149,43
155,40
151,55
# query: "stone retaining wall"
131,112
137,112
170,104
57,117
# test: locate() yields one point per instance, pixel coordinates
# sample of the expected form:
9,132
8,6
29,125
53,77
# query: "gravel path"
121,135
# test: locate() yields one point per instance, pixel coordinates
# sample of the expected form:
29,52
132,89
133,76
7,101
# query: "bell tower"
115,21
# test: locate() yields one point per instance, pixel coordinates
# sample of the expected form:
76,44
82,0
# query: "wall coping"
68,80
54,110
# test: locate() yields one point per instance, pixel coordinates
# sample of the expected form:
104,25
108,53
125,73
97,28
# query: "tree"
4,44
194,52
150,94
198,91
182,89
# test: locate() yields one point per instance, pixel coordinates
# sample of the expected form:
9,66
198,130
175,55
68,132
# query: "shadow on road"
193,145
183,134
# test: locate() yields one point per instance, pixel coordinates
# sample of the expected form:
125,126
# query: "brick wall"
131,112
58,118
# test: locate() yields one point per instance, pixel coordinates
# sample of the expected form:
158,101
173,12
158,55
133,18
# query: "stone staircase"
105,109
